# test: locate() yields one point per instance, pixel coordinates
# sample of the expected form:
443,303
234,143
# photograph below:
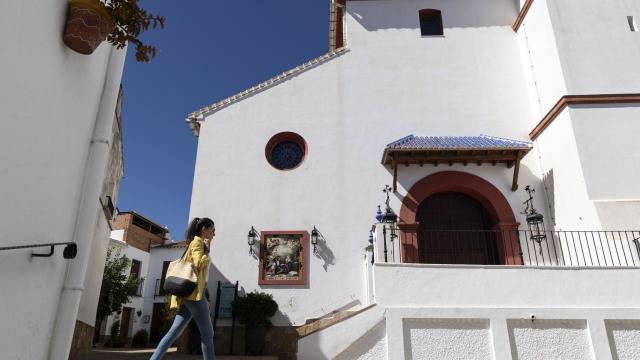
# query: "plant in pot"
90,22
255,310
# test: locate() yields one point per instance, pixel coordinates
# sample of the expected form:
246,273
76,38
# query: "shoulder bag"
181,278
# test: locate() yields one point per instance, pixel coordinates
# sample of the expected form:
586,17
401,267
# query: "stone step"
172,354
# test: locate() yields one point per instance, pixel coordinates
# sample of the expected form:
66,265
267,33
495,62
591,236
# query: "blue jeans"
199,311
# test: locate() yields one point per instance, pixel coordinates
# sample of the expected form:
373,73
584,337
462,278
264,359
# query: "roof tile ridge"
505,139
193,116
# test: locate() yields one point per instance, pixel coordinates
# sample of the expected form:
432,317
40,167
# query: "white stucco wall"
564,177
609,150
597,49
589,156
50,99
391,83
371,346
505,333
551,339
157,257
624,338
93,282
431,339
585,48
508,286
358,336
542,61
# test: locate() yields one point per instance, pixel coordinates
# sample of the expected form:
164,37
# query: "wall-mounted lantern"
252,238
389,217
535,220
314,239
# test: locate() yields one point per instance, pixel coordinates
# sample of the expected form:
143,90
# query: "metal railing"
519,247
69,252
159,291
140,288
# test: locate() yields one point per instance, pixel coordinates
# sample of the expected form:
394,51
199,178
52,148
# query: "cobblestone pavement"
145,354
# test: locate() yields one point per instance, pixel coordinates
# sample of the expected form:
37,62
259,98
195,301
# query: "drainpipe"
83,233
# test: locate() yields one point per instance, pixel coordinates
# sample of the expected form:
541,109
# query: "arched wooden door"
455,228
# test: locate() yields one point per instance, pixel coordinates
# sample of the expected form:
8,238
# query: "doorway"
454,228
155,335
125,321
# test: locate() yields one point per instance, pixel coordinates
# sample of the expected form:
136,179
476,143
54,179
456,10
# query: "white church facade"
456,107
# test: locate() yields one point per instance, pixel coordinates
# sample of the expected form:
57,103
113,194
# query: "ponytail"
195,228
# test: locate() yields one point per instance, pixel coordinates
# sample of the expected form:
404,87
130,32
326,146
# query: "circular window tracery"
286,150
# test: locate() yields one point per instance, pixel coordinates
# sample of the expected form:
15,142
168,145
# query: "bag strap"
185,253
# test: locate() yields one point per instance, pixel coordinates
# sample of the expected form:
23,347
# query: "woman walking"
199,236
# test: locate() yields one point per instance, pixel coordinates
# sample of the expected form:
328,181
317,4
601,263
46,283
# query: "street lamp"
252,237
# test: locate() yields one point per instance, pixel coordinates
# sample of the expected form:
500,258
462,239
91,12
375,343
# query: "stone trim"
523,13
569,100
321,324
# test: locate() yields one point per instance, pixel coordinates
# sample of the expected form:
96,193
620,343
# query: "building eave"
195,118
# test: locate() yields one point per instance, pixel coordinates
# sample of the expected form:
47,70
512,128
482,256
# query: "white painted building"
57,134
146,309
130,318
500,94
149,247
155,299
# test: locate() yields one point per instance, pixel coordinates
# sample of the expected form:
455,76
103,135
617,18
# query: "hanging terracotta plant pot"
88,24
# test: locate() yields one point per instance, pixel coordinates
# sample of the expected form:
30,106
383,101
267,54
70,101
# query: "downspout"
83,233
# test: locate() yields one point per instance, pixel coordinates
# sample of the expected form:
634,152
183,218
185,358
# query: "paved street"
145,354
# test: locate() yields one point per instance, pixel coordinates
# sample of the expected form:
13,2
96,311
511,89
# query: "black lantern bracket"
315,234
252,238
535,220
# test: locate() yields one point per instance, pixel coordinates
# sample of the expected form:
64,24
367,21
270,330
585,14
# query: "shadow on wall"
324,252
374,15
223,335
372,345
619,332
549,183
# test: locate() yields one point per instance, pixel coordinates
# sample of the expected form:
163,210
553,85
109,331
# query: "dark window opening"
430,22
135,269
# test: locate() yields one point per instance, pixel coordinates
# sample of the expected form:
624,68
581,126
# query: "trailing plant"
117,288
255,309
129,21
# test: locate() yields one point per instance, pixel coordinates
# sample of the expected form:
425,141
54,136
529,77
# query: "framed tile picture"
283,258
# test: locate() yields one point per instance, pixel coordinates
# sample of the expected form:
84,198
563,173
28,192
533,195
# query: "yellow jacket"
196,255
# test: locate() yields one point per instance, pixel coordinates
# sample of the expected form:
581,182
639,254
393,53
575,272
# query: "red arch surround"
455,181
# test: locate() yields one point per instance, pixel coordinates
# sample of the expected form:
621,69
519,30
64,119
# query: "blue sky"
208,50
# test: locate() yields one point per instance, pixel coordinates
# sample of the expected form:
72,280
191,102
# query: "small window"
135,269
430,22
286,151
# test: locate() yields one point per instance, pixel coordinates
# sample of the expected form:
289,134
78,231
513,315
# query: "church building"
453,179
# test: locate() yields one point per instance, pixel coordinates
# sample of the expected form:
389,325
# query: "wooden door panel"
455,229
